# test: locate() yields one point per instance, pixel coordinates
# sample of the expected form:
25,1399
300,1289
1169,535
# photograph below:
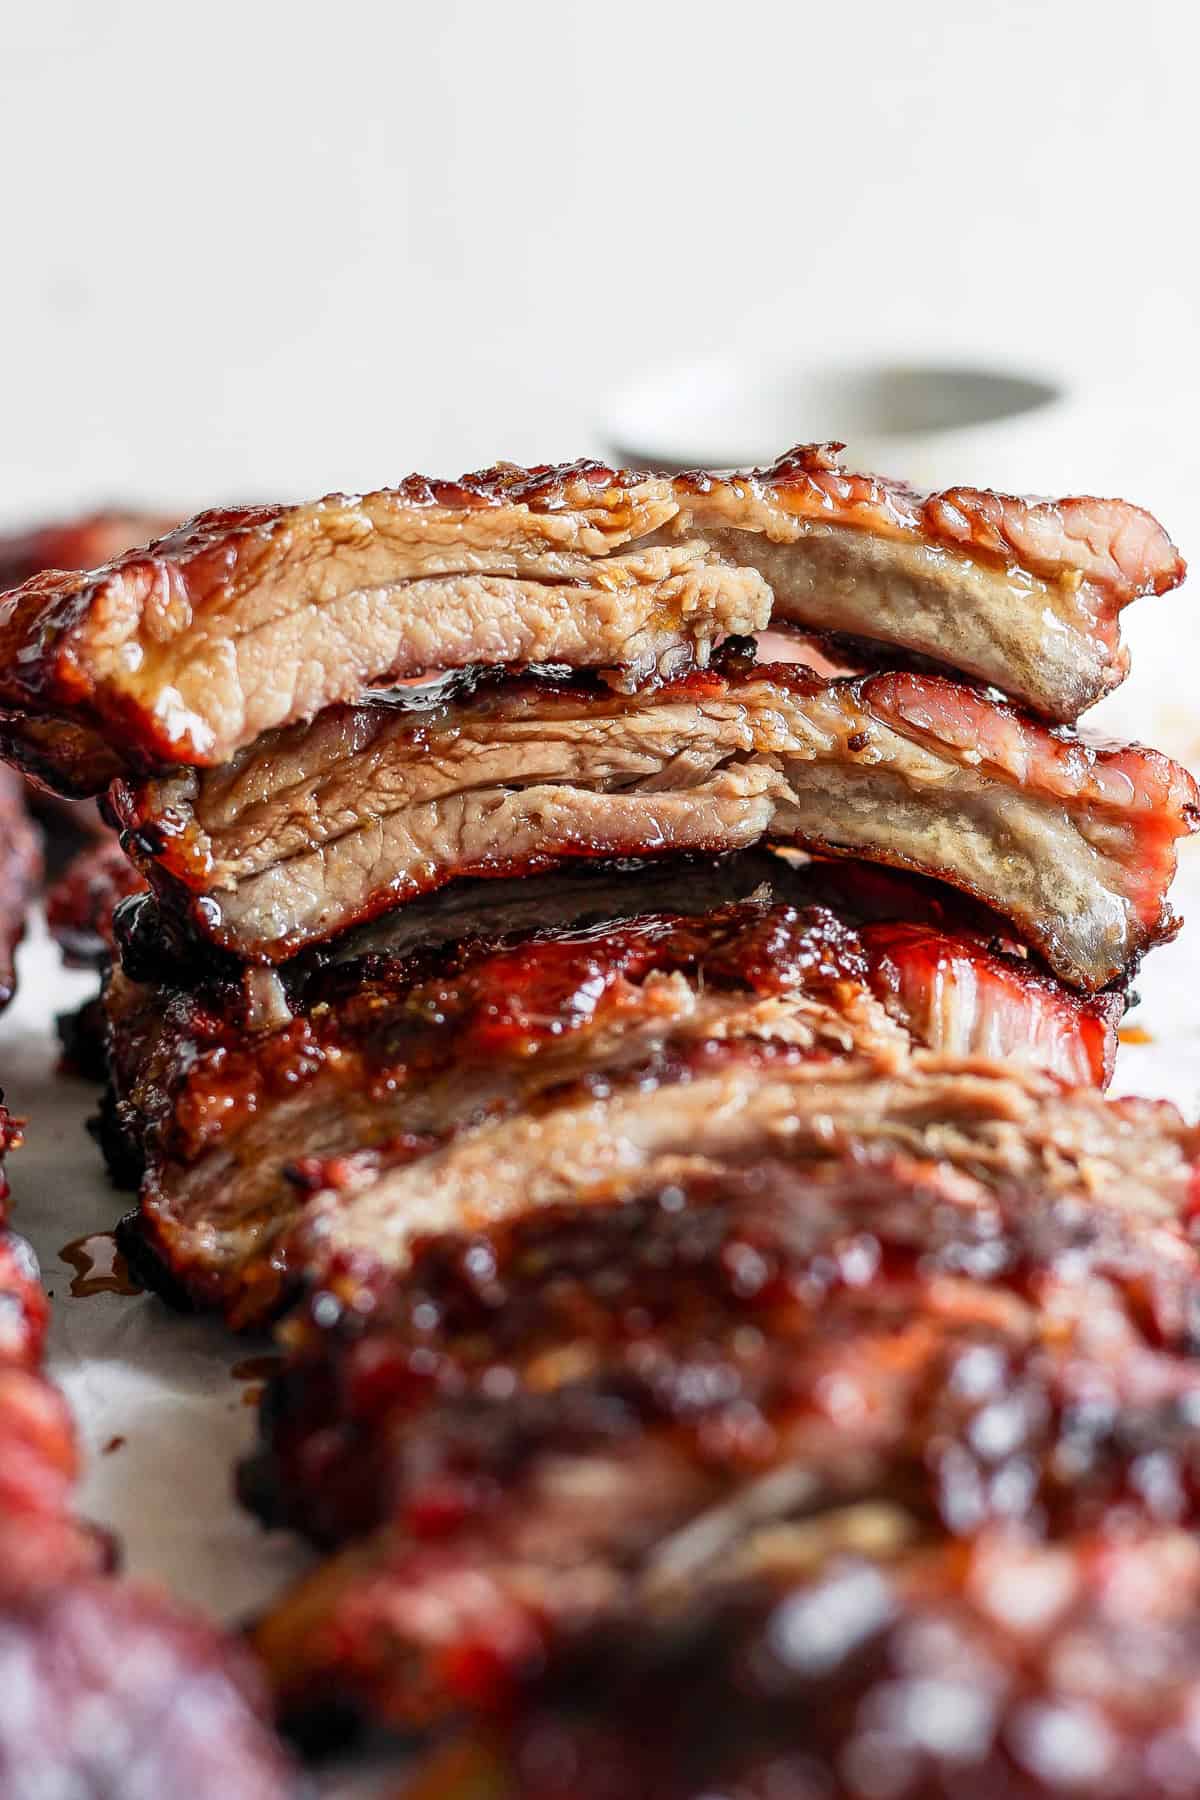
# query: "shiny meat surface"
1000,1671
111,1692
586,1416
246,620
80,905
238,1121
20,874
84,543
371,806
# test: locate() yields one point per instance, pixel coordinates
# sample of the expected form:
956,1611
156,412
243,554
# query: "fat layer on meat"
246,620
506,1049
365,809
593,1414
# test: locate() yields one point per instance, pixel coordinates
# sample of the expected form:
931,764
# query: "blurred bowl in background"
930,424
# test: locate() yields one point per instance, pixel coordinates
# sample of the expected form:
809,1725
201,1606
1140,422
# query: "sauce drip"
256,1371
256,1368
99,1267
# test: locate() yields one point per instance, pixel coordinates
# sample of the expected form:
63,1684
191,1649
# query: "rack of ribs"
646,993
327,824
656,1094
247,620
583,1417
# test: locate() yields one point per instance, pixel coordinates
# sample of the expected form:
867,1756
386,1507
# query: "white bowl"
931,424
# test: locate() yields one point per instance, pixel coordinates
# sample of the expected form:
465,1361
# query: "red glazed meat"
247,620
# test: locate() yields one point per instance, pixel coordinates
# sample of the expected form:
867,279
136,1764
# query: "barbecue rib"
81,904
20,873
84,543
998,1671
239,1108
569,1419
247,620
369,806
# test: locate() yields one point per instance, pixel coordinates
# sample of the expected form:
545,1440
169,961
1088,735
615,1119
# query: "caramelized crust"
250,619
368,807
584,1417
241,1112
999,1669
20,876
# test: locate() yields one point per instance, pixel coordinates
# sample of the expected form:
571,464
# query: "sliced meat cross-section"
324,825
247,620
613,1036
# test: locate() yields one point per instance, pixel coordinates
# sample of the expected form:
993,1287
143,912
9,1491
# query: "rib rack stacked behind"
486,1006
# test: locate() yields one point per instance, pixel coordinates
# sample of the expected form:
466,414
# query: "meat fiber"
247,620
590,1414
370,806
236,1109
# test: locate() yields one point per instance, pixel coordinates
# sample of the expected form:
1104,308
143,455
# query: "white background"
265,250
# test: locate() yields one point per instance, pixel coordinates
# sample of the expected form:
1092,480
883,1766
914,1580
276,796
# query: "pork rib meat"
582,1416
681,985
327,824
243,621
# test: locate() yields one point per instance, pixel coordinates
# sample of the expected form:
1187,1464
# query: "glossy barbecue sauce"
99,1266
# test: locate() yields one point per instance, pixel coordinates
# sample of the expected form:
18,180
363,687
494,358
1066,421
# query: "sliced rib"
232,1095
592,1414
370,806
1003,1669
20,876
247,620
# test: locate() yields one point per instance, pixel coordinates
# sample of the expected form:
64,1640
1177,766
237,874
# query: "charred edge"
122,1155
148,1266
81,1037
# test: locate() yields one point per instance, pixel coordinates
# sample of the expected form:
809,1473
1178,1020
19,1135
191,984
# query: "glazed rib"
504,1049
20,875
83,543
244,621
591,1415
997,1669
225,1097
370,806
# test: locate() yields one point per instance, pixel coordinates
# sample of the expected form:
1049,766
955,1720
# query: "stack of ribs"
656,1096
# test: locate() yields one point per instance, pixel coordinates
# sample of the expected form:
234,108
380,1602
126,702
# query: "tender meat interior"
248,619
319,827
995,1123
1031,637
